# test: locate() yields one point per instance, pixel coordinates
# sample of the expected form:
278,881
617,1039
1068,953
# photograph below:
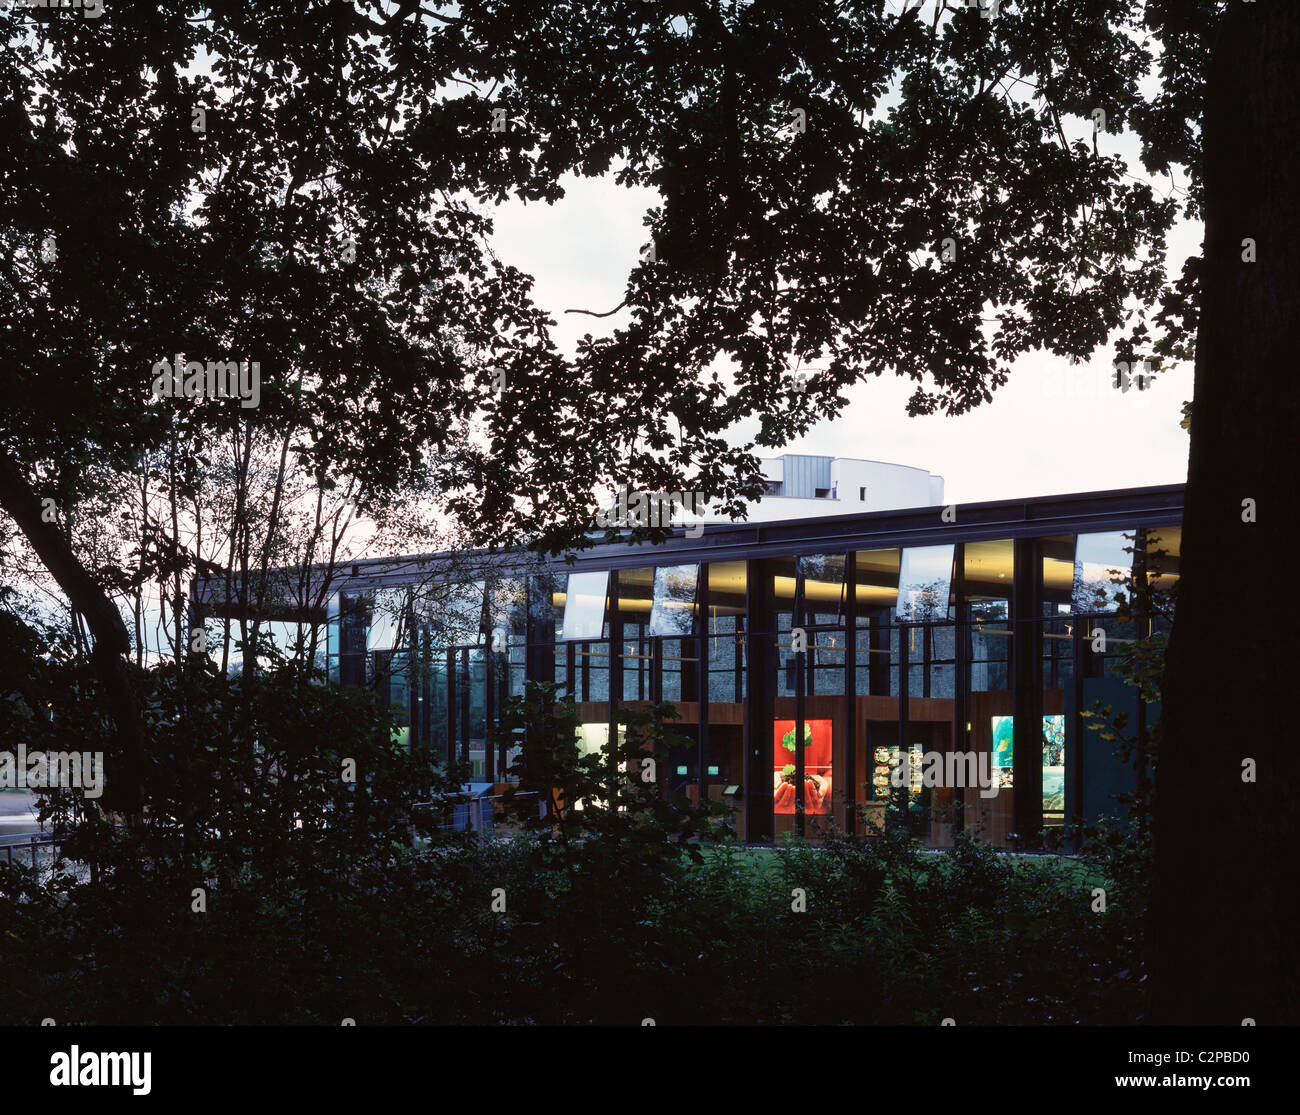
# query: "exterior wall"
803,476
888,487
851,486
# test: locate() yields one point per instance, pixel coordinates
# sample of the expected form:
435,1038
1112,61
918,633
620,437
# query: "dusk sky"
1051,429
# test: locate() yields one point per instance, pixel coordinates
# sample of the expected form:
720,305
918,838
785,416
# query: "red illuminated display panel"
817,766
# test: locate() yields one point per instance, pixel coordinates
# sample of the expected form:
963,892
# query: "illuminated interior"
934,648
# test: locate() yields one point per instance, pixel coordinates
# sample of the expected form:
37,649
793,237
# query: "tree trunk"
124,768
1226,877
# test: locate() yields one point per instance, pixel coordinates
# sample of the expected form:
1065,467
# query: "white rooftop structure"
802,487
798,487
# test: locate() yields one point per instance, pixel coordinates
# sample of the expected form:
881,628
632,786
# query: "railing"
449,801
29,840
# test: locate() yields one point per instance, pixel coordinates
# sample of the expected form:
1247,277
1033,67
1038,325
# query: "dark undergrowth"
292,898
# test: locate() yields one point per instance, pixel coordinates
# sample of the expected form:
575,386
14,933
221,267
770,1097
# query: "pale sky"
1052,429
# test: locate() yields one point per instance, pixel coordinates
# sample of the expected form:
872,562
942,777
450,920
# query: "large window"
1102,568
462,614
673,609
876,575
987,578
821,583
508,615
672,621
584,606
925,584
388,620
635,603
1163,555
724,608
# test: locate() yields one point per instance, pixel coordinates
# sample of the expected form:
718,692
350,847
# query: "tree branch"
592,313
123,784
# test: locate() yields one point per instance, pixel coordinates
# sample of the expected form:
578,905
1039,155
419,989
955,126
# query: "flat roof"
1074,513
856,460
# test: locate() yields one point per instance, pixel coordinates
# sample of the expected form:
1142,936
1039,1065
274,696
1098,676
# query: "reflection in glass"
397,686
877,578
823,587
387,629
1058,573
988,576
507,607
724,610
942,681
1163,553
543,592
584,605
674,662
508,620
822,579
924,583
1101,571
462,614
673,610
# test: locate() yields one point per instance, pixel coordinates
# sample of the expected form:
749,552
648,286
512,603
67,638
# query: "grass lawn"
763,860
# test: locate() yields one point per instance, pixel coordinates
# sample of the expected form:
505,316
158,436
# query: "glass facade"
673,609
584,606
1101,570
862,687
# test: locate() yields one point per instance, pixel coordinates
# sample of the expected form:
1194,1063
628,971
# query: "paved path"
17,813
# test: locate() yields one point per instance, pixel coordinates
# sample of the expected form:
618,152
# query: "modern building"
801,486
948,655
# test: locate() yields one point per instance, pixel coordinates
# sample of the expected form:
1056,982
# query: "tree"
300,189
1226,892
922,188
289,190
